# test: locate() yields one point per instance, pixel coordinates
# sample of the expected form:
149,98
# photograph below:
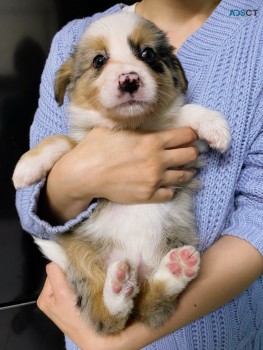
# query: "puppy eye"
99,61
148,55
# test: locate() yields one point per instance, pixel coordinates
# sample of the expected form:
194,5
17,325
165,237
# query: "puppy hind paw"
120,288
178,268
184,262
121,279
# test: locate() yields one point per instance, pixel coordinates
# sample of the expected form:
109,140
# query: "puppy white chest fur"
137,230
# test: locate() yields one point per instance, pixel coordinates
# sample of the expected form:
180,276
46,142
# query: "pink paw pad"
123,271
175,268
190,273
122,274
116,287
184,261
188,257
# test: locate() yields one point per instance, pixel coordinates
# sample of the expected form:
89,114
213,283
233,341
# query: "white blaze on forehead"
115,30
110,35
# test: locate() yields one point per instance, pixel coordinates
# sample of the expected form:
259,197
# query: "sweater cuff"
43,229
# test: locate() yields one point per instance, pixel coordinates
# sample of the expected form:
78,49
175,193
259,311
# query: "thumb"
46,297
59,283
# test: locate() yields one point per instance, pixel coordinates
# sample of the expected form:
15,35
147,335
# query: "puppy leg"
87,275
158,295
120,288
209,125
37,162
53,251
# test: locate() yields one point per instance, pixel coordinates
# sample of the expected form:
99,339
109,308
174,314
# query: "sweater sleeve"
246,222
49,119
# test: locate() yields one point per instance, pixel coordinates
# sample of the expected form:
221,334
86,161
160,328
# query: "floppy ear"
180,75
176,69
62,80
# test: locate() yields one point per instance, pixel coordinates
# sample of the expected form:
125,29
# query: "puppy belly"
135,230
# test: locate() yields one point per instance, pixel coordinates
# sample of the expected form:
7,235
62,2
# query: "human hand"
58,302
130,167
122,166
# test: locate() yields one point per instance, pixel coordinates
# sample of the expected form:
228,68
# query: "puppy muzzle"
129,82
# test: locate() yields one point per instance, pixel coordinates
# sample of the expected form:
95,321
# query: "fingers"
58,302
56,289
172,178
179,137
170,182
162,194
45,296
59,282
180,156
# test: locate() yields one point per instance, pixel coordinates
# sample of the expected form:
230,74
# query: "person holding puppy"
221,56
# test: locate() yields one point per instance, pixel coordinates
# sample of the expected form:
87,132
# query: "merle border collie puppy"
125,260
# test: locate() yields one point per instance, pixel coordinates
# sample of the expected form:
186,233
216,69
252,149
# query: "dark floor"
25,327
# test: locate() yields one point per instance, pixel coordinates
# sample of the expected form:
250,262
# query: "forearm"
123,167
66,192
228,267
57,205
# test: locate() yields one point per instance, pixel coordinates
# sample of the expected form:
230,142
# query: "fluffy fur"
125,260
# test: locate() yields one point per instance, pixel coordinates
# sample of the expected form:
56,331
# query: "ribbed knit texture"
224,65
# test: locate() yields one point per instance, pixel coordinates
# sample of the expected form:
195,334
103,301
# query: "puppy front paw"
37,162
210,125
27,172
215,131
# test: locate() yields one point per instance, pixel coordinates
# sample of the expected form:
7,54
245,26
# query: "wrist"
58,202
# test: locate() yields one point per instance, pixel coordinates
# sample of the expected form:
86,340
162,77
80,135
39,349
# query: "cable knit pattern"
224,65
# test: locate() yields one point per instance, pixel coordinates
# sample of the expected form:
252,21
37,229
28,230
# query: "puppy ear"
62,80
176,69
180,76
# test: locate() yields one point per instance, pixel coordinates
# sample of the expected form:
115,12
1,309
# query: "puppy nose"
129,82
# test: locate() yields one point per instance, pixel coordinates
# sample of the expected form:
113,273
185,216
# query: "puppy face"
124,69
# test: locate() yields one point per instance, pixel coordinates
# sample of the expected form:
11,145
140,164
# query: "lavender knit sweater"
223,61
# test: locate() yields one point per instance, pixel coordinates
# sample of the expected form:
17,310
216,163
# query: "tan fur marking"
153,305
49,140
85,94
89,47
143,34
85,53
98,44
62,80
87,262
149,293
